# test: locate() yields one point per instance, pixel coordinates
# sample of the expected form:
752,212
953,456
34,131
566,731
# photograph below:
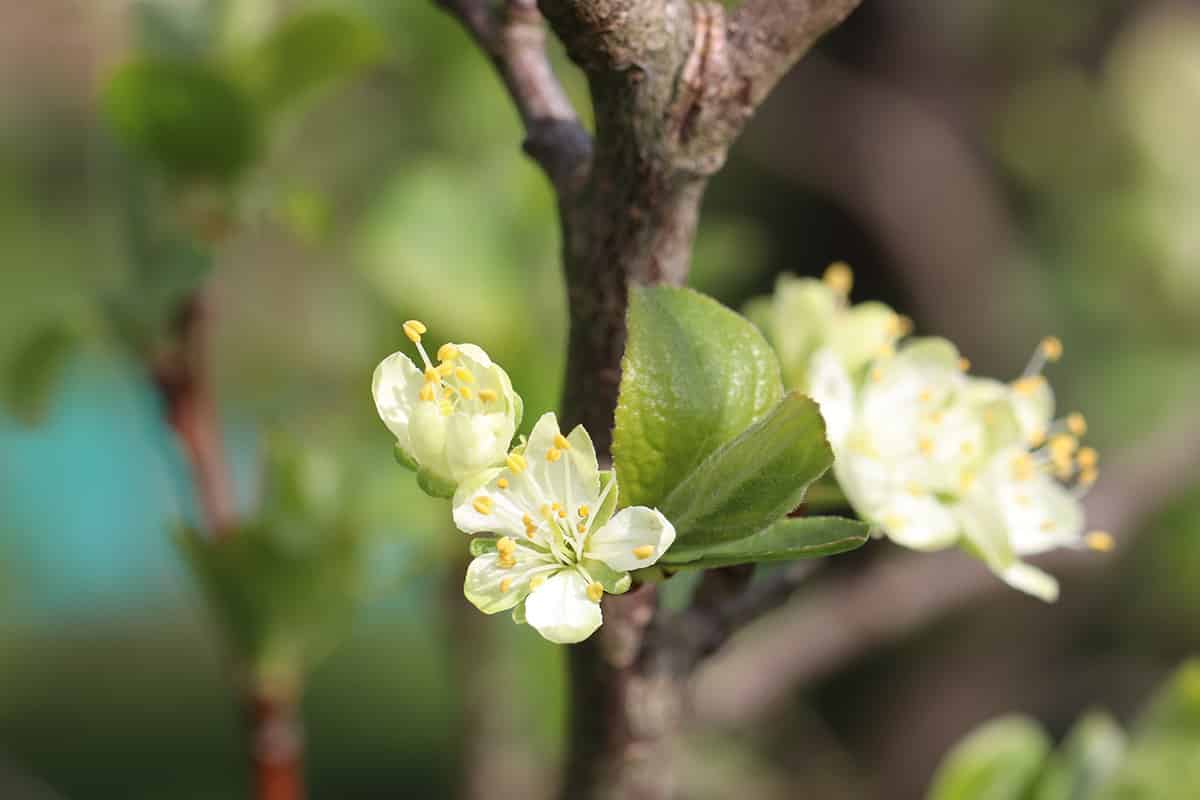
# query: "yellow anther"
925,445
556,506
595,591
562,513
925,396
465,392
488,395
506,561
936,417
546,511
449,394
447,352
561,442
530,527
506,545
413,330
839,277
445,369
1063,470
584,511
899,325
505,585
536,581
426,392
1047,526
1063,445
1028,385
464,375
1022,467
1087,457
516,462
876,374
502,483
446,407
581,527
431,375
1101,541
643,551
1076,423
1088,476
1052,348
966,482
553,454
964,363
1037,438
482,504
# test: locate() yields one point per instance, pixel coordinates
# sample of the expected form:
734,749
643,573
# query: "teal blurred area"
997,170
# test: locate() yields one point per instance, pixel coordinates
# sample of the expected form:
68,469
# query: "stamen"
1063,445
925,445
546,512
1037,438
584,511
925,396
1047,526
507,548
447,352
449,394
595,591
899,326
553,454
502,483
1087,457
839,277
536,581
561,442
432,376
505,585
1051,348
447,408
1076,423
487,395
516,462
465,391
464,375
1101,541
1028,385
1088,476
562,513
482,504
413,330
964,364
426,392
581,527
1022,467
643,551
445,369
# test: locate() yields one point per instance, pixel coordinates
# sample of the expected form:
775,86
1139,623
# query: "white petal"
395,386
1031,580
561,610
629,530
574,478
427,432
829,384
861,333
492,588
1034,407
476,441
481,506
919,522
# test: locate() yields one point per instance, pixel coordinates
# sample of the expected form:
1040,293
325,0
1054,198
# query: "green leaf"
1091,754
1175,710
35,371
185,116
998,761
786,540
753,480
695,375
308,52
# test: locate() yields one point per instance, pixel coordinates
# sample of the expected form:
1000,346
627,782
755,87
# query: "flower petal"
1031,580
395,386
493,588
480,505
561,610
635,537
919,522
829,384
573,477
476,441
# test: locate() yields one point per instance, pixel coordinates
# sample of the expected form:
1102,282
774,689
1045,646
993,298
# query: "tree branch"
845,617
515,40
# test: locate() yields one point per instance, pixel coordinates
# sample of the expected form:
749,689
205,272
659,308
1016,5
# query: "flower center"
449,384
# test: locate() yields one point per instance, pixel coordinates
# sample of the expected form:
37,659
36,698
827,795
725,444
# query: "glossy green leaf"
753,480
308,52
786,540
694,376
34,372
186,116
1085,761
999,761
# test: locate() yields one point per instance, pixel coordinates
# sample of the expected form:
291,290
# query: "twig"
515,40
845,617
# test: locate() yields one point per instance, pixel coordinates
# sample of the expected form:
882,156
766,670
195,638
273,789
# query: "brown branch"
515,40
845,617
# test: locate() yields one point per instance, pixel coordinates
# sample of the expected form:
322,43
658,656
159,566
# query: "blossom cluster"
931,455
561,543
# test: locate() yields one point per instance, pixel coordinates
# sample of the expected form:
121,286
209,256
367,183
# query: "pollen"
553,454
507,549
561,442
482,504
426,392
839,277
413,330
899,325
465,391
584,511
431,375
595,591
464,375
1087,457
1101,541
447,352
1063,445
487,395
502,483
1076,423
1037,438
1052,348
505,585
530,527
581,527
964,364
516,462
562,513
643,551
445,369
1028,385
1088,476
536,581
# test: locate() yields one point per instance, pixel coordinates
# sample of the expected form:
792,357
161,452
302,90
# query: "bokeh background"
997,170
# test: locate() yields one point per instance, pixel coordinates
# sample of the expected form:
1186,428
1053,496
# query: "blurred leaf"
752,481
185,116
35,371
309,51
694,376
786,540
1092,752
998,761
1175,710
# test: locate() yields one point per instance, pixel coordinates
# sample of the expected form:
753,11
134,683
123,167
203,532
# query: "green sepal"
613,582
518,410
518,613
754,480
786,540
435,485
482,545
404,459
604,513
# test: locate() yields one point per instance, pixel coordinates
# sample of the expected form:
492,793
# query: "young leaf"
694,376
786,540
185,116
999,761
753,480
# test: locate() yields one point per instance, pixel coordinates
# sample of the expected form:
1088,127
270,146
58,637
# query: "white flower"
561,546
451,420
